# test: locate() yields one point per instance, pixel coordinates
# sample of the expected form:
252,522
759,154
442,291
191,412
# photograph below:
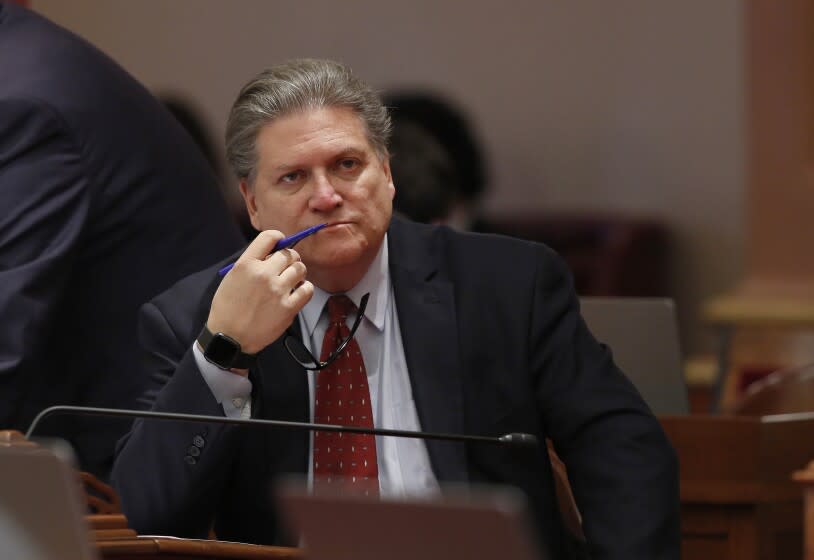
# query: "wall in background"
629,106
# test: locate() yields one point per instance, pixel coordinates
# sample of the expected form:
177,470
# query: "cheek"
280,213
383,210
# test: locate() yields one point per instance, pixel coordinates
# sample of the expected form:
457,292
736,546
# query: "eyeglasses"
306,359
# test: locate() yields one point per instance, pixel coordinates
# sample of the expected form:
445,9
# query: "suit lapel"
426,314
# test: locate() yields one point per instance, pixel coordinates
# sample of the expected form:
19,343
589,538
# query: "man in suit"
107,203
455,332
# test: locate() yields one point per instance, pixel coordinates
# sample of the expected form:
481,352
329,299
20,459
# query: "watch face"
221,350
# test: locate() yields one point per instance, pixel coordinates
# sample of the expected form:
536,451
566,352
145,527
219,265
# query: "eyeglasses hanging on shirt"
300,353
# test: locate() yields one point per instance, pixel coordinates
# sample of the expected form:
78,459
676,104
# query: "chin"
336,256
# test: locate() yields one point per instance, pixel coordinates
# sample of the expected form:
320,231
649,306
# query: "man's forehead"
333,129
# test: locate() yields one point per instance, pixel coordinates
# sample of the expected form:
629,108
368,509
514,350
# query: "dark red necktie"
341,396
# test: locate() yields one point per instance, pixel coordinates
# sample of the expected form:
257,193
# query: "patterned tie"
342,397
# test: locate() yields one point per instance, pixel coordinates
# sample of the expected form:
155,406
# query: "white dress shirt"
404,465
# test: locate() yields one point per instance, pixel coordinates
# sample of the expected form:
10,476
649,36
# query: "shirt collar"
376,282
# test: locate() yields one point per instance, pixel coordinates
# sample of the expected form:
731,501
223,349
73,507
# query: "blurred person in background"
438,162
429,185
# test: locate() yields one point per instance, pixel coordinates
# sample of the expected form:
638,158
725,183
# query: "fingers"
262,245
292,275
261,250
301,295
299,290
278,262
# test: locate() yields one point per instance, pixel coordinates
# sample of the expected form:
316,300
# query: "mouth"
332,225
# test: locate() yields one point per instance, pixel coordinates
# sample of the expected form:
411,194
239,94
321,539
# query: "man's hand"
259,298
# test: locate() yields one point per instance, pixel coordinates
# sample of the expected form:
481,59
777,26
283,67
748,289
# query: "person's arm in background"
622,468
45,200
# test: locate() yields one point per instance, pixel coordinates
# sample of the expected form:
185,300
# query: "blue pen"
284,243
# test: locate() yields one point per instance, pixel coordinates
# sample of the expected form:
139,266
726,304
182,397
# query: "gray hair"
295,86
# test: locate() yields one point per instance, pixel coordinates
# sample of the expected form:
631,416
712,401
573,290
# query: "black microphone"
513,439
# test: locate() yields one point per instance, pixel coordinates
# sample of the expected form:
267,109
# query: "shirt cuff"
232,391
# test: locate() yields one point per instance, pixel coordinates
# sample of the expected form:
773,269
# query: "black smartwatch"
224,351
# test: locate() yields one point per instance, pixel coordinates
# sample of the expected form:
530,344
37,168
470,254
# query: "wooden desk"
116,541
146,548
737,498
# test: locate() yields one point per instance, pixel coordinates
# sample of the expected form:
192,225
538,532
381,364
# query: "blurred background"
624,112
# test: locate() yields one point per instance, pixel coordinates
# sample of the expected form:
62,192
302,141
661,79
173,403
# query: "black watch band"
224,351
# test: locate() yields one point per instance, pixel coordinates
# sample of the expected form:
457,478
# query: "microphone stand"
514,439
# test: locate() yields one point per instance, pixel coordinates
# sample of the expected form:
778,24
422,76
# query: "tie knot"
339,307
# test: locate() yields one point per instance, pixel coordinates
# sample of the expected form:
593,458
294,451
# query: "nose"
324,197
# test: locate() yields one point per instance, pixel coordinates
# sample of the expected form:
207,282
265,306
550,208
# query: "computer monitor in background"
642,333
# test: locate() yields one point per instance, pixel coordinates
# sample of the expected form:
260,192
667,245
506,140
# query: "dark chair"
608,255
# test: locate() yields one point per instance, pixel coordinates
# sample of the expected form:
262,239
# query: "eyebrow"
348,151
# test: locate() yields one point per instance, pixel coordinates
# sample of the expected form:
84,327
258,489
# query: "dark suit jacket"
107,202
494,344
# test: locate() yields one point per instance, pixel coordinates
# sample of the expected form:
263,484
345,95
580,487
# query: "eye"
348,164
290,178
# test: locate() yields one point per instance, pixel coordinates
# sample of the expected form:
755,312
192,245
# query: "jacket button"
190,460
194,451
198,441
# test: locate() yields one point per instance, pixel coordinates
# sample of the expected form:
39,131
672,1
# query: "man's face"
315,167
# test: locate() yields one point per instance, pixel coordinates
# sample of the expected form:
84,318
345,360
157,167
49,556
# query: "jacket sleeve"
170,475
44,188
622,468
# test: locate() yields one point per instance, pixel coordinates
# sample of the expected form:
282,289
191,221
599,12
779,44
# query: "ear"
251,203
386,167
